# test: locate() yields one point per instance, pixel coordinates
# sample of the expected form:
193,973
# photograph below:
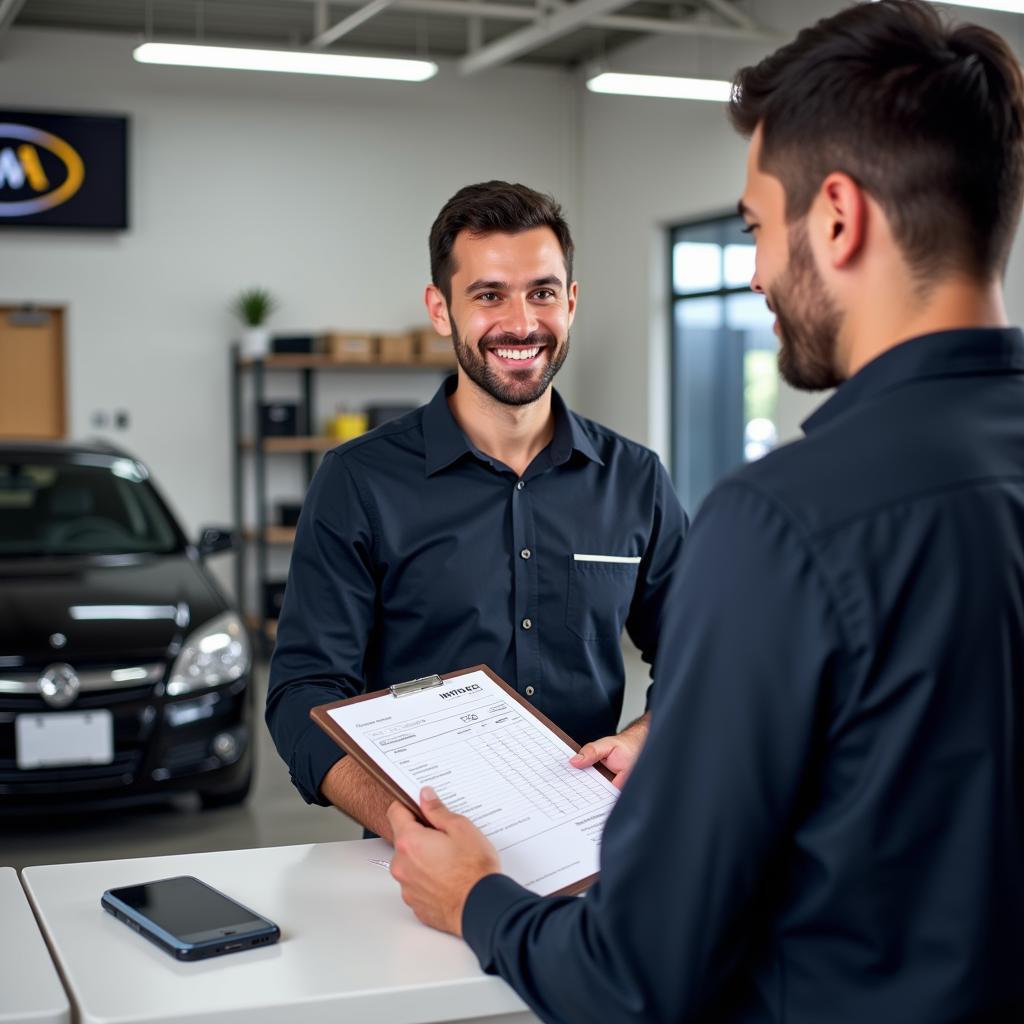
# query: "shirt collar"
976,350
569,434
445,443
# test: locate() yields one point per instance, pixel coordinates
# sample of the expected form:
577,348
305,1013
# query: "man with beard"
827,821
491,526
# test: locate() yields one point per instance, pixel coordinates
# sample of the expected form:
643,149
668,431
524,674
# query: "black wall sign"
63,170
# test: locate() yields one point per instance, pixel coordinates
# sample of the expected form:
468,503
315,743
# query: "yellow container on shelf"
347,425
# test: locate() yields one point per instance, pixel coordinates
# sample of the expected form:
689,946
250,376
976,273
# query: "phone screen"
186,907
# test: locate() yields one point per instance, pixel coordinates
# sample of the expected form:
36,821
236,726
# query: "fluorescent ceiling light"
661,85
289,61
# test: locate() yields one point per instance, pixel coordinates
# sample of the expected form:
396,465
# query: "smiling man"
491,526
827,821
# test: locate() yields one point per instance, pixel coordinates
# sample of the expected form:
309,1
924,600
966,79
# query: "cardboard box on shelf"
396,348
433,349
349,346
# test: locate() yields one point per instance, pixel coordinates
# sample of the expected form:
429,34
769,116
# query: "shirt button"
527,624
530,691
520,485
525,553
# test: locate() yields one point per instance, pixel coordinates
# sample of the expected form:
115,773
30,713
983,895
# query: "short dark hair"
493,206
926,116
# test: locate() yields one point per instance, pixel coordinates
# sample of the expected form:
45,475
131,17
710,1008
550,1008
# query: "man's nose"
519,318
755,284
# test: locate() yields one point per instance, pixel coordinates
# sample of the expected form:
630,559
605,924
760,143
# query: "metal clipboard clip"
415,685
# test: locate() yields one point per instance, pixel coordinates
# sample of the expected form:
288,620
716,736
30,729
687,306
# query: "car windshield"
90,505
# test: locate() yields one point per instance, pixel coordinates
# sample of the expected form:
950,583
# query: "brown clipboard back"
321,715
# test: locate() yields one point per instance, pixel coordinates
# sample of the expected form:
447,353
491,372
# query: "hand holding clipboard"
490,756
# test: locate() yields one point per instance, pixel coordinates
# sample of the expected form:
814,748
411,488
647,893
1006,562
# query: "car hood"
120,610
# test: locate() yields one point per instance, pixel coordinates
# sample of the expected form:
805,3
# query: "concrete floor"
274,815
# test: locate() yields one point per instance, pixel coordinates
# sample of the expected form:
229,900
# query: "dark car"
125,673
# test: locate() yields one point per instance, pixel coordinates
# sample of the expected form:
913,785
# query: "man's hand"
437,867
617,753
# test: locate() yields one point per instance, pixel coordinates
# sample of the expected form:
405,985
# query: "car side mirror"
214,539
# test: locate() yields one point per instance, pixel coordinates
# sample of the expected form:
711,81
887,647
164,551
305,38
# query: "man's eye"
749,229
544,294
489,296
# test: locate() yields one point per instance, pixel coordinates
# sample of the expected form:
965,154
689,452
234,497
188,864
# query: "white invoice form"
488,758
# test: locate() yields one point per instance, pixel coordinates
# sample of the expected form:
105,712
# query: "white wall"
323,190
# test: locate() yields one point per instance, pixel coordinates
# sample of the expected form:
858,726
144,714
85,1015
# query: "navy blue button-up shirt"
827,822
416,553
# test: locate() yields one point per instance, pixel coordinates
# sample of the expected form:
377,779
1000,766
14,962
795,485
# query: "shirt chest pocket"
598,597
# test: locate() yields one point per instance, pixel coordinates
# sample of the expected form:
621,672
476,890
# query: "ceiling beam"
487,8
707,29
320,17
545,29
474,33
9,10
728,10
346,25
495,10
625,23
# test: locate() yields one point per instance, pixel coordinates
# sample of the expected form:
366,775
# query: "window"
96,506
724,372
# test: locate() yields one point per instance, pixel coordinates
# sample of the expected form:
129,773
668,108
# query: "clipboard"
321,716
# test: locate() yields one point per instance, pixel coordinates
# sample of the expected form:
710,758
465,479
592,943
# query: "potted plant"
253,307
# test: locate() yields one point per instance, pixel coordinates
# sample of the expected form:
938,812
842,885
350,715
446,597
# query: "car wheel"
211,799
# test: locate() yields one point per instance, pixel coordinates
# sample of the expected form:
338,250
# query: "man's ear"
437,310
573,296
841,214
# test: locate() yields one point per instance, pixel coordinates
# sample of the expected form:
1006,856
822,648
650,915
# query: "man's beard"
809,321
516,387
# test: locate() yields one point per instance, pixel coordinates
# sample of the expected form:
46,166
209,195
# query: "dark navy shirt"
416,553
827,823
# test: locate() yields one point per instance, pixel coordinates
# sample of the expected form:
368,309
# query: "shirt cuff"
486,904
314,756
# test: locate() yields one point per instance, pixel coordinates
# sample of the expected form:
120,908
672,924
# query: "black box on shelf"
303,344
273,598
279,419
288,513
379,414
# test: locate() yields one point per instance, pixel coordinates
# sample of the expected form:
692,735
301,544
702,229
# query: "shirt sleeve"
325,624
691,849
658,567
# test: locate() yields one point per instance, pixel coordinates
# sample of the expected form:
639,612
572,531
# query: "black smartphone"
188,918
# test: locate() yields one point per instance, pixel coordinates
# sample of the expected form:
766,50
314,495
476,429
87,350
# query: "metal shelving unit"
257,534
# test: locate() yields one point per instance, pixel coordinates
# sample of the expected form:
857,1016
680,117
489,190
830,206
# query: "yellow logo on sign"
21,165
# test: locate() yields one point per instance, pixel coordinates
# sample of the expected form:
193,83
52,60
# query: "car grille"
102,699
79,778
127,700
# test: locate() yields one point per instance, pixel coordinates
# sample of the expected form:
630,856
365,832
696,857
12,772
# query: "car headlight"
216,653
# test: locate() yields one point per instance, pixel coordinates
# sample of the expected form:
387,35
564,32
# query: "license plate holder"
64,739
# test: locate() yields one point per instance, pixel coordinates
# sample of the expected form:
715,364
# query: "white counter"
350,950
30,990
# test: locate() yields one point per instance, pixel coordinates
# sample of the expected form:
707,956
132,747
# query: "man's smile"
520,357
